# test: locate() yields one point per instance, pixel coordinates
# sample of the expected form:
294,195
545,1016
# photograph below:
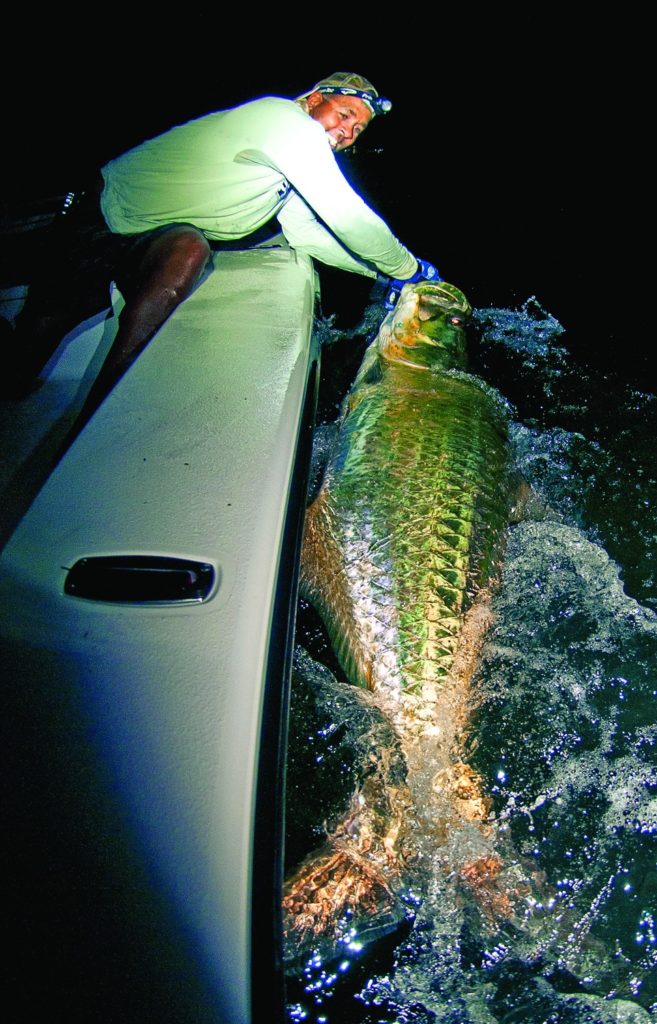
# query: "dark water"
566,732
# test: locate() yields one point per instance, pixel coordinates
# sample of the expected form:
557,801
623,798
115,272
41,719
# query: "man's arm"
305,158
304,232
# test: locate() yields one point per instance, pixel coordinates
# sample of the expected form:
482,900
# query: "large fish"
402,538
409,519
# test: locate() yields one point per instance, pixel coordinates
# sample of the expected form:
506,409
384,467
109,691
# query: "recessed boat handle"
140,579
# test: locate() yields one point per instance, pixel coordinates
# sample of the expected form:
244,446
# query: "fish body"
408,523
399,544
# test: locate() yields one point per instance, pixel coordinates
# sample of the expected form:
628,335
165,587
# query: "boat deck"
164,710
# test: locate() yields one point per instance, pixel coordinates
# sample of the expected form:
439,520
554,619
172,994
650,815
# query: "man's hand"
425,272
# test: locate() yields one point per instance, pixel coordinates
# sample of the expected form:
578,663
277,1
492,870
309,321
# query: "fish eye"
456,320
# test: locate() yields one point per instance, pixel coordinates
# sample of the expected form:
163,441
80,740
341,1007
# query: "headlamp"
377,104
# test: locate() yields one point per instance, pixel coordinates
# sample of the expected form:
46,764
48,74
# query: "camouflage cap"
346,80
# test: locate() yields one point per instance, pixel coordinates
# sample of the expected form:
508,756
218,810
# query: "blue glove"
394,288
425,272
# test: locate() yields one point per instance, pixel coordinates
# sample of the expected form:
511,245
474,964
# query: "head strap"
377,104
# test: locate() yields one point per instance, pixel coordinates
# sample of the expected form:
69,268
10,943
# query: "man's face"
343,118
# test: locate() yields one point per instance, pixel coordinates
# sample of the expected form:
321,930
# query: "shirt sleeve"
304,232
337,226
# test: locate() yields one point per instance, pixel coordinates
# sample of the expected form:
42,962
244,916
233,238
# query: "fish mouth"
426,326
441,299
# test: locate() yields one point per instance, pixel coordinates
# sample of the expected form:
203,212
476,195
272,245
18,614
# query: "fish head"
426,329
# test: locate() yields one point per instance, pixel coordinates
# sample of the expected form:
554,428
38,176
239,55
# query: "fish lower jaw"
400,352
426,339
397,352
402,361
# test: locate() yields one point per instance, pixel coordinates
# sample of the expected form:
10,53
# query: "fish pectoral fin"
324,582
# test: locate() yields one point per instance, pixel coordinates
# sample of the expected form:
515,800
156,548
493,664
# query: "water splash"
530,330
567,739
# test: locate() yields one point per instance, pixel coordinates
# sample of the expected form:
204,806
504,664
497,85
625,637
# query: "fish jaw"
426,329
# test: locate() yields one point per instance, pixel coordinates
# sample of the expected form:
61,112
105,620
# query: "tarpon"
404,535
408,522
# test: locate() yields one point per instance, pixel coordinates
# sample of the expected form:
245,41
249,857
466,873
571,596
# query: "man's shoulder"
273,103
275,111
281,126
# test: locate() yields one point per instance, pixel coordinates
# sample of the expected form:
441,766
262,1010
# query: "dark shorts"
86,242
79,256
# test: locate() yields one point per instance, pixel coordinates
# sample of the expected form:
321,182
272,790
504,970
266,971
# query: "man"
223,176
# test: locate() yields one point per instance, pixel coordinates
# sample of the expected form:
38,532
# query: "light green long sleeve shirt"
229,172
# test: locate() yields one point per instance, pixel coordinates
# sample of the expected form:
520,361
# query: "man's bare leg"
172,265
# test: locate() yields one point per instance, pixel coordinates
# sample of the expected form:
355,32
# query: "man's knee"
184,251
191,242
174,260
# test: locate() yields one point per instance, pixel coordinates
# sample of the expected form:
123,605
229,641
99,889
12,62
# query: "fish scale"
408,523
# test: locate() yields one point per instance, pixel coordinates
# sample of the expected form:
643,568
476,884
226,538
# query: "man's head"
344,104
